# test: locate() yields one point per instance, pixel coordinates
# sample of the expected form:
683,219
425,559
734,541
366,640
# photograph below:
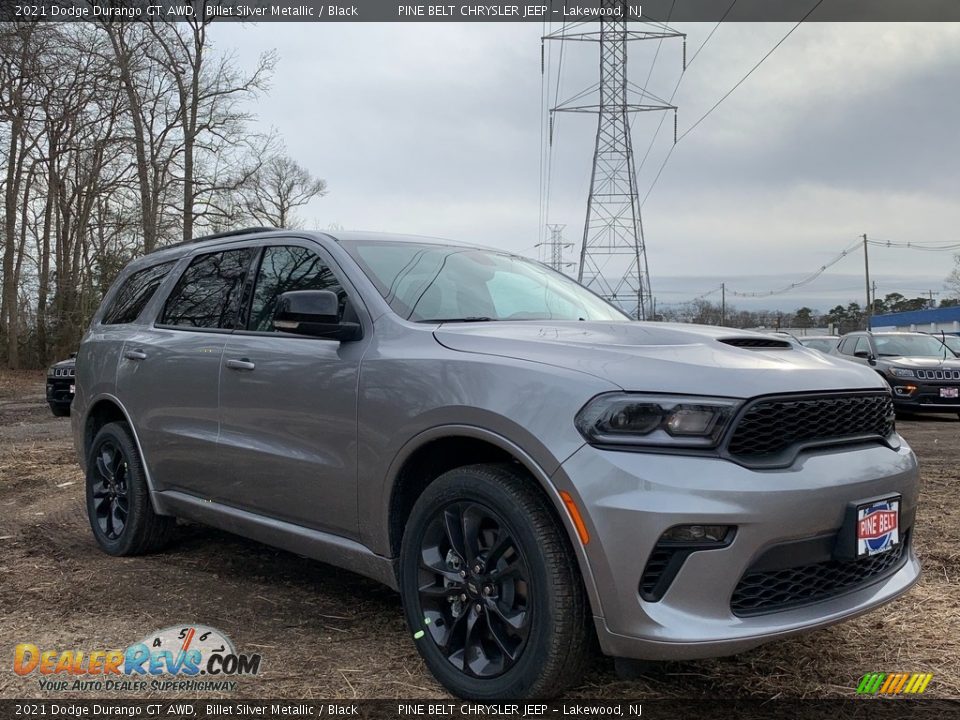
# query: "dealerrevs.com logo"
189,657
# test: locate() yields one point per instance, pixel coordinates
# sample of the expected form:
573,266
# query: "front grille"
63,372
770,426
774,590
938,374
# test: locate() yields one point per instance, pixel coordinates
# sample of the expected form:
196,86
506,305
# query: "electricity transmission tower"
552,253
613,254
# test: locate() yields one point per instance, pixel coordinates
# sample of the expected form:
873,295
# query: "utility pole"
723,303
613,254
866,275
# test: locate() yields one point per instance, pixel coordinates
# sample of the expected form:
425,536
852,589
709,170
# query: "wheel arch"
106,409
432,452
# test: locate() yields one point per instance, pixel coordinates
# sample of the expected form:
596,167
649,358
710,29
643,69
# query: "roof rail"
217,236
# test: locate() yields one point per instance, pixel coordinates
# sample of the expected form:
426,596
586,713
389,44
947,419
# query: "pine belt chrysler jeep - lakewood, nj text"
528,467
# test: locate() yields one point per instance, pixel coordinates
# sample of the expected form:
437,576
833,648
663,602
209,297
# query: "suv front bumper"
629,499
924,395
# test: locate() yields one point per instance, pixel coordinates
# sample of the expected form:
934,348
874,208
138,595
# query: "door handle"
242,364
135,355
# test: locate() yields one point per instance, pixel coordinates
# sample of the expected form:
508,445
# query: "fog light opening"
699,534
905,390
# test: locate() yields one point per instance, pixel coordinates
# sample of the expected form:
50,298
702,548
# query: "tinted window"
288,268
135,293
863,346
208,293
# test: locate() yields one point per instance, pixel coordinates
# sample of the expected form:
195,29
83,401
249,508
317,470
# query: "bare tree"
277,188
113,139
18,101
155,115
210,90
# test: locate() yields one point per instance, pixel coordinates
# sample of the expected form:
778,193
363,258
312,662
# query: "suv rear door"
169,370
288,403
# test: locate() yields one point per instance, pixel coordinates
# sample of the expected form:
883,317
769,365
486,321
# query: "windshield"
821,344
952,342
910,346
435,283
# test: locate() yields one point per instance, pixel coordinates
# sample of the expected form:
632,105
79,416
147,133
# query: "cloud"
436,128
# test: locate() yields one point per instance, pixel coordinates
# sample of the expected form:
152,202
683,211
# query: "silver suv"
529,468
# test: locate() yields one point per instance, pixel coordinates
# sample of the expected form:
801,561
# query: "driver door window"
286,268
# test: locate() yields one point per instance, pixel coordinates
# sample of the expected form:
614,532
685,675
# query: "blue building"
931,321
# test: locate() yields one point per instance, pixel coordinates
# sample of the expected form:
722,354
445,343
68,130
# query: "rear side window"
135,293
208,293
288,268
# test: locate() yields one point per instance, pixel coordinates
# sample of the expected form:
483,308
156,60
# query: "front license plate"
878,526
952,393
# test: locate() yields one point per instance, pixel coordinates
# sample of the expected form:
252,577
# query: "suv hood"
921,362
664,357
65,363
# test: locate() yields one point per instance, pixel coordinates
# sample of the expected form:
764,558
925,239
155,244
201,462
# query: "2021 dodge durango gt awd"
527,466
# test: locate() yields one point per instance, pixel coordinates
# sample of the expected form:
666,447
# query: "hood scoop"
757,343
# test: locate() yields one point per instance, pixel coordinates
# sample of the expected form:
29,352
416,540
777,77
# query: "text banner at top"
557,11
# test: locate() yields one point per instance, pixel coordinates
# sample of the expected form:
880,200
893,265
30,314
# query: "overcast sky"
435,129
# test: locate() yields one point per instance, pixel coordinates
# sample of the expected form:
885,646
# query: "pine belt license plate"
878,526
950,392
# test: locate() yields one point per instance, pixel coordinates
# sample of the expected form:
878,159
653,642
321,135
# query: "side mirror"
315,313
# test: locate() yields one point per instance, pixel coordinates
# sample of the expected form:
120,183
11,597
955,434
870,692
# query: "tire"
59,410
118,499
526,611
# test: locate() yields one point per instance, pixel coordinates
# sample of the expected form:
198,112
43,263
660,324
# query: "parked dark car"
923,373
60,385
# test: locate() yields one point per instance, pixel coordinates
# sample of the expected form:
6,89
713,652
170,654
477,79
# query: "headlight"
655,420
50,372
902,372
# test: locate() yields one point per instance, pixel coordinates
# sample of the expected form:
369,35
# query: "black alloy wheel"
491,587
474,587
110,503
119,507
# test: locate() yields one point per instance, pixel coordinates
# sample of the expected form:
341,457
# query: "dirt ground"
325,633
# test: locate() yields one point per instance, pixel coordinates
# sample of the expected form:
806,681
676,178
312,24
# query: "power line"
680,80
947,246
751,71
724,97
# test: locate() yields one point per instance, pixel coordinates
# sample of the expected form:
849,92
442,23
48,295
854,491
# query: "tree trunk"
148,209
12,188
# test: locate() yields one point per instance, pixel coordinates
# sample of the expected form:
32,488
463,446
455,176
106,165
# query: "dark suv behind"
923,372
61,377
